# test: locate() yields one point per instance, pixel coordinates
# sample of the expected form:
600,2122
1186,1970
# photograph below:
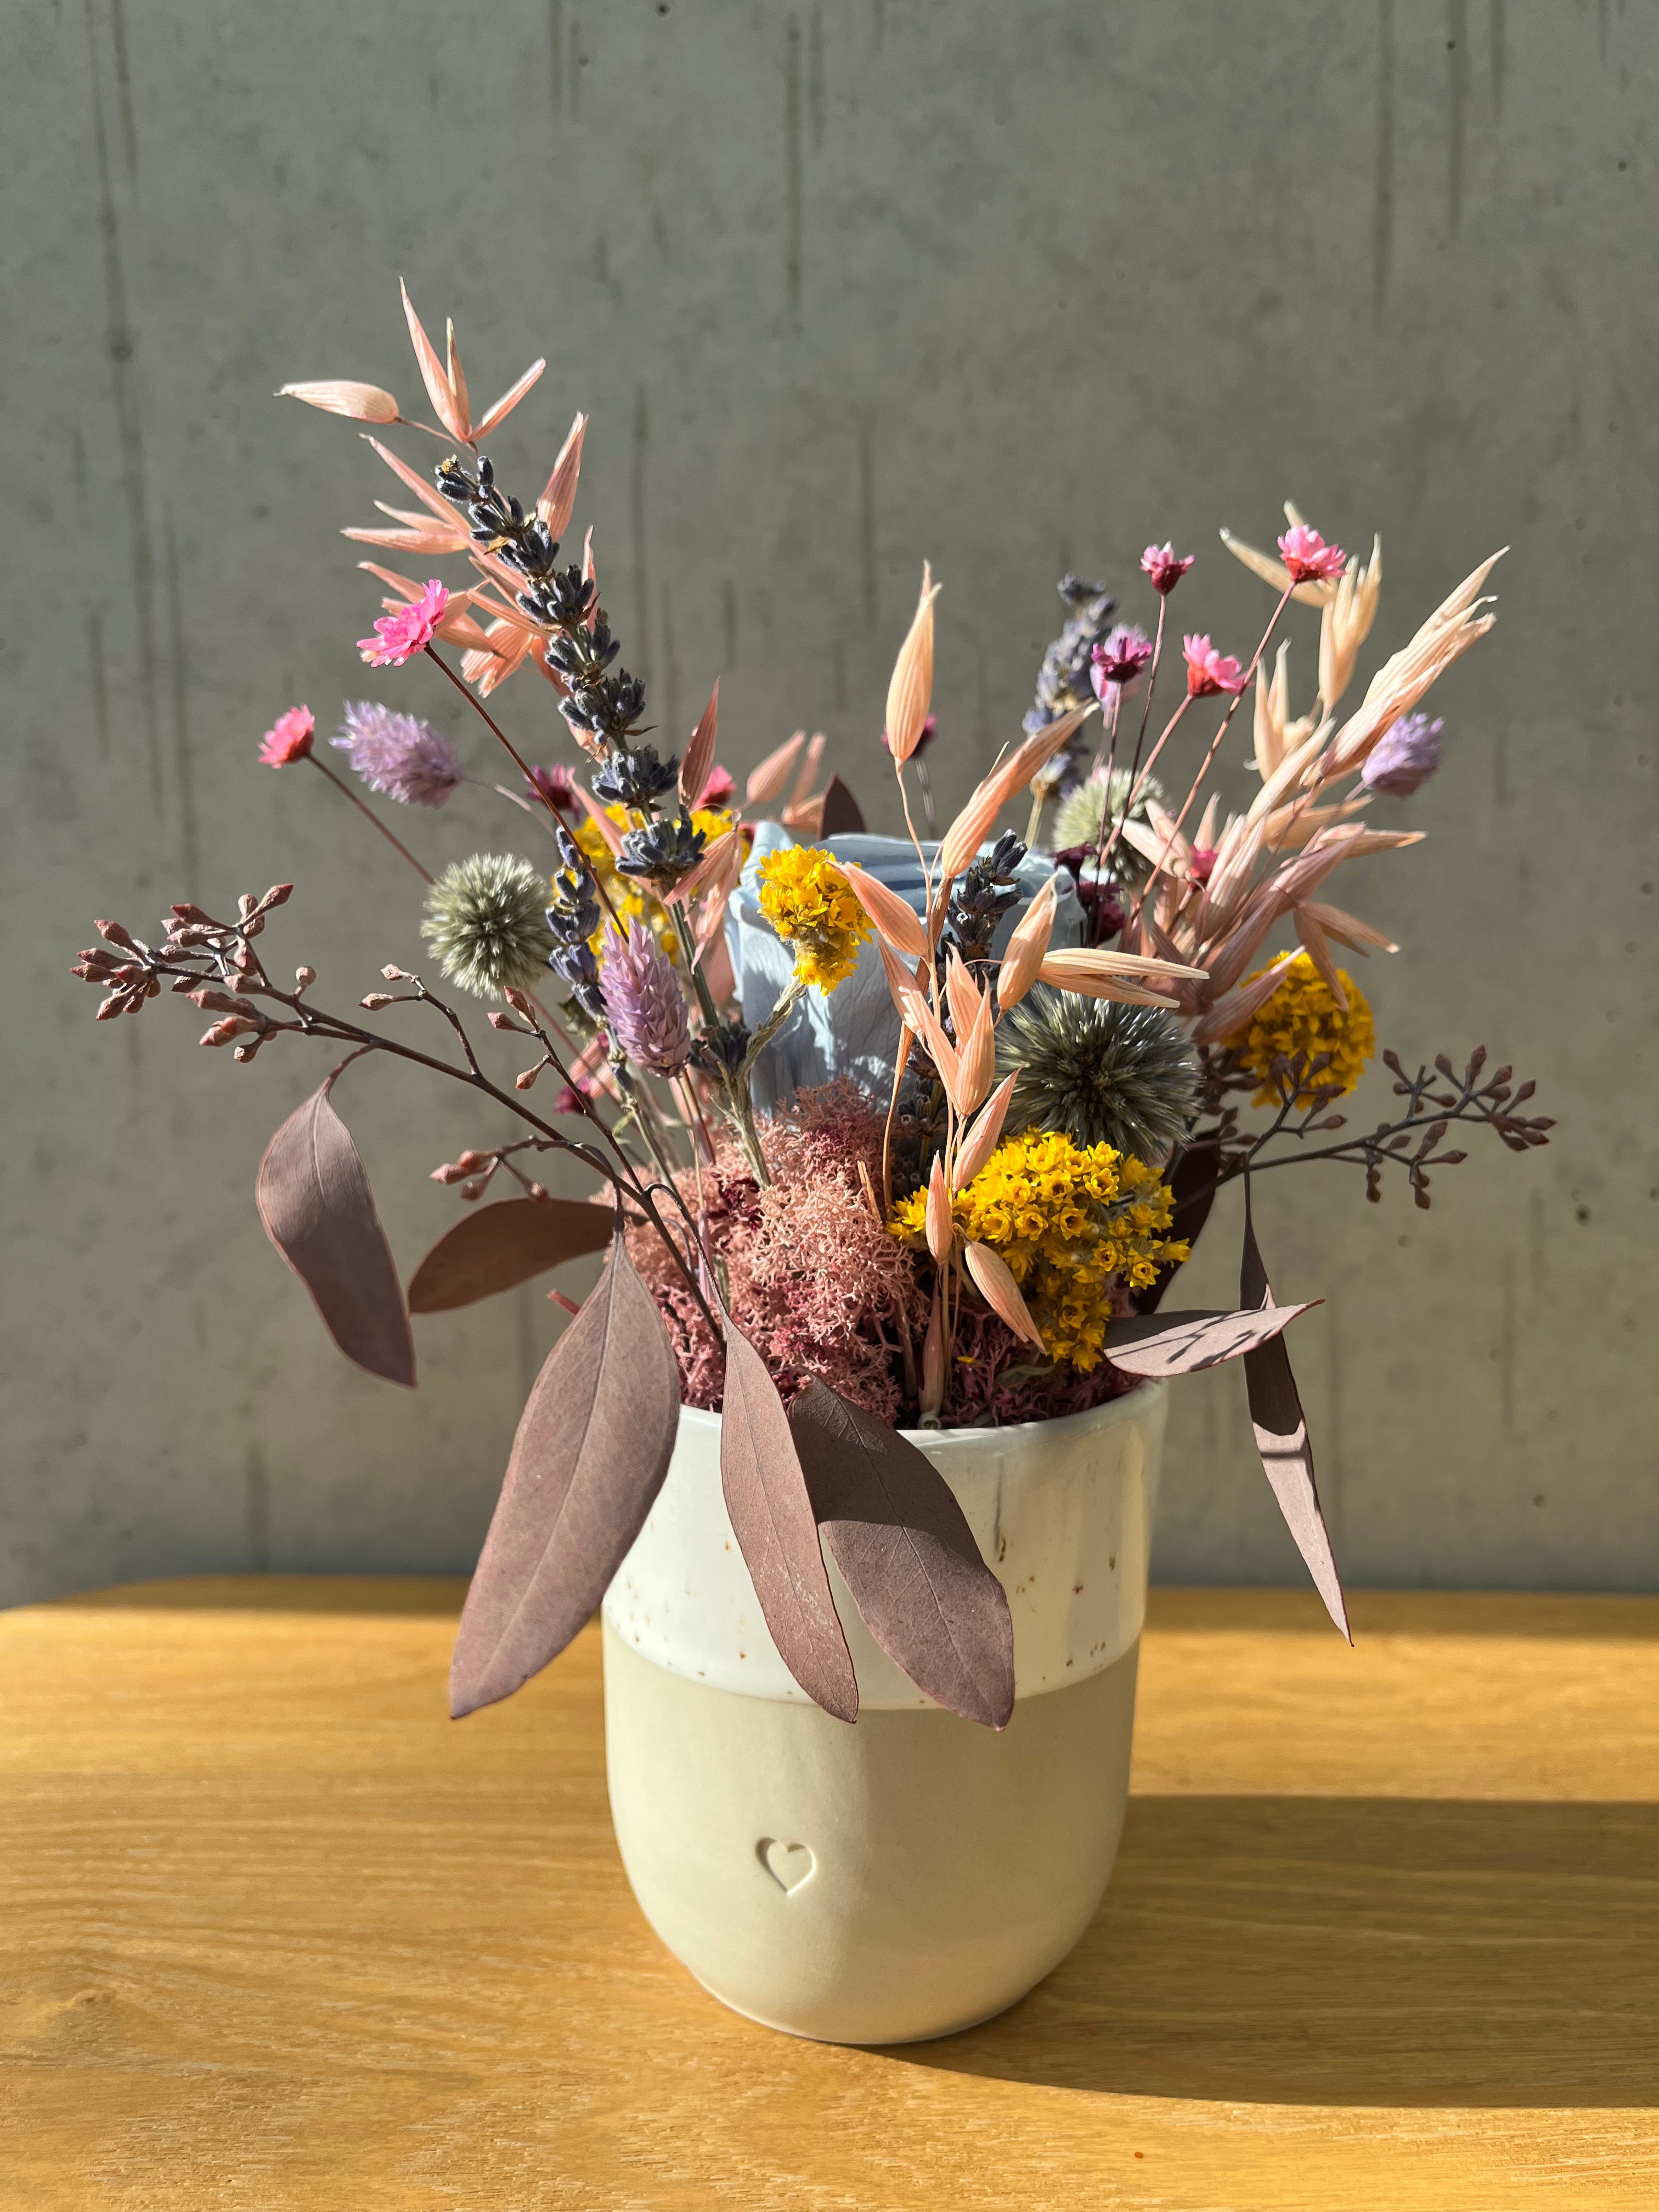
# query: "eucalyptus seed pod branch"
229,948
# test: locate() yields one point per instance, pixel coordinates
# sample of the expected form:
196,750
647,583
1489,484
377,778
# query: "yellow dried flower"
810,904
1072,1223
1302,1015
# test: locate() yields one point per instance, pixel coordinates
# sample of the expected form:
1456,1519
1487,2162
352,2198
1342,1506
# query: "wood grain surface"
276,1934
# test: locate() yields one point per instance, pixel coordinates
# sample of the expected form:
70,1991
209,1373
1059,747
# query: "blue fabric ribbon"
854,1032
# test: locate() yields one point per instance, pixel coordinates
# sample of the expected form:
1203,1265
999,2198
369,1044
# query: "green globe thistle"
1098,1072
1078,820
486,921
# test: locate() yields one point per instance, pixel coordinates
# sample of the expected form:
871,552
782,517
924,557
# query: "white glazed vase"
914,1873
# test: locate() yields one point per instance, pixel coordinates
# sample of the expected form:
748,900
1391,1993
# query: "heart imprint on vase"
788,1865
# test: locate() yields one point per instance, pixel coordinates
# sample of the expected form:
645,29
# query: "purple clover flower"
644,1005
399,754
1404,757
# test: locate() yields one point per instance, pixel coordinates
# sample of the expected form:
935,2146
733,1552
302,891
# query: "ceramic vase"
914,1873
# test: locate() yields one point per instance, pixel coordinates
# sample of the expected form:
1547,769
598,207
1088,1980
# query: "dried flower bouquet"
1030,1070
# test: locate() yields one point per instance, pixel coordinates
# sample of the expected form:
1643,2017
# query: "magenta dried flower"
1165,566
556,783
399,754
1404,757
643,1002
1119,659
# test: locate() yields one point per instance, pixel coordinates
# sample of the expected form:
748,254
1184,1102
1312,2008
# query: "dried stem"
1215,747
243,969
369,815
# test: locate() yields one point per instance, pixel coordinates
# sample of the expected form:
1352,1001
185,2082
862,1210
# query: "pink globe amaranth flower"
1165,566
1404,757
1119,659
720,788
290,738
643,1002
399,754
398,637
557,783
1309,558
1209,672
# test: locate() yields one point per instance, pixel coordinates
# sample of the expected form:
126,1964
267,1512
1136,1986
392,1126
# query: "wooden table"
273,1933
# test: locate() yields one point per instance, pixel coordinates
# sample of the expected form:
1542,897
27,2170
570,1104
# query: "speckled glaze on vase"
912,1874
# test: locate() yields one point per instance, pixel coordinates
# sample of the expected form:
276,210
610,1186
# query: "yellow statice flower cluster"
1072,1222
626,894
1302,1015
809,903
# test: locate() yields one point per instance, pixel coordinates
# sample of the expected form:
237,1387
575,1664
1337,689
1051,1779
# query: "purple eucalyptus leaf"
1281,1433
502,1245
841,814
772,1518
318,1212
907,1554
1156,1346
593,1445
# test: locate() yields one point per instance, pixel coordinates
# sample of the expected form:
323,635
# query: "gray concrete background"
842,285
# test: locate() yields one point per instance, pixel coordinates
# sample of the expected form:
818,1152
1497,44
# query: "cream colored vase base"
911,1874
881,1883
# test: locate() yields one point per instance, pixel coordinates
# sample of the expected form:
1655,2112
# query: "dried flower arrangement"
887,1132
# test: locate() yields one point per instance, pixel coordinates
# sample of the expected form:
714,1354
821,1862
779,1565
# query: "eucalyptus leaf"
907,1554
1156,1346
1281,1433
318,1212
502,1245
772,1518
593,1445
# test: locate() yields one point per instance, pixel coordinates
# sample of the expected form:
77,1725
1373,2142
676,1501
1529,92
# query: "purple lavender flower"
1119,659
399,755
643,1002
1404,757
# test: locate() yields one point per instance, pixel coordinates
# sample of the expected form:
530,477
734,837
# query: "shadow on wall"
1354,1951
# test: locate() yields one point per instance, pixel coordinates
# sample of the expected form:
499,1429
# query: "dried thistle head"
486,921
1097,1072
1077,819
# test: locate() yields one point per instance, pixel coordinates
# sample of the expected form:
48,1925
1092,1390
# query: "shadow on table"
1355,1951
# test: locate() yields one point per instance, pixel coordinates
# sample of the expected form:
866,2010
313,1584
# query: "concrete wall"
843,285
